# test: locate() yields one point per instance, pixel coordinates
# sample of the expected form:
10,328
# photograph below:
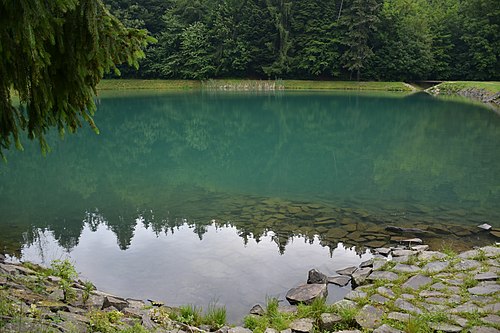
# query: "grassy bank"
456,86
121,84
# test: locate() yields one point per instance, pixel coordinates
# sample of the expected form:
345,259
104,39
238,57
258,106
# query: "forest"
390,40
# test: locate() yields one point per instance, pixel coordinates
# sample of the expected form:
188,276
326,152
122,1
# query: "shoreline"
400,286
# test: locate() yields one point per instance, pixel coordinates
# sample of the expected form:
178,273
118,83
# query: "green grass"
126,84
455,86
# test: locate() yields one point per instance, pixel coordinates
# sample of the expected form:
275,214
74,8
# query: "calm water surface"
202,197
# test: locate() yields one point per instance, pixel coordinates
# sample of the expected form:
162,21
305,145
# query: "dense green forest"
317,39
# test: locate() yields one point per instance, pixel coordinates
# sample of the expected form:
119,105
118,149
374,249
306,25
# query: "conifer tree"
52,55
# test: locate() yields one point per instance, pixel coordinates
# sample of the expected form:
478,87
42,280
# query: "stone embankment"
479,94
402,289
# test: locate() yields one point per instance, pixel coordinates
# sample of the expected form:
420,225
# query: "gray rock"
66,316
402,259
359,276
379,299
431,255
378,263
347,271
458,320
412,241
386,329
401,253
147,322
467,308
493,308
417,281
257,310
2,258
403,317
286,331
367,263
467,265
328,321
492,319
443,327
12,269
291,309
420,248
484,289
95,302
491,251
369,317
407,296
135,303
469,254
56,295
403,268
116,302
355,294
133,312
436,300
382,275
316,277
430,293
270,330
406,306
351,331
3,280
341,280
239,329
345,304
436,266
488,276
386,292
483,329
306,293
54,279
304,325
385,251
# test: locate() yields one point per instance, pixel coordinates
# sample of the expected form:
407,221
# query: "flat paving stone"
431,293
385,251
355,294
378,264
436,266
467,308
488,276
467,265
403,268
383,275
420,248
328,321
379,299
402,259
484,289
347,271
491,319
386,292
399,316
431,255
369,316
444,327
341,280
417,281
401,253
483,329
303,325
406,306
386,329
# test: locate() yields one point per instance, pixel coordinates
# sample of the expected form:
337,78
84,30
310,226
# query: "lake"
200,197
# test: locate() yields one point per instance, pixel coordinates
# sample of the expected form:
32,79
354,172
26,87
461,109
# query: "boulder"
316,277
347,271
306,293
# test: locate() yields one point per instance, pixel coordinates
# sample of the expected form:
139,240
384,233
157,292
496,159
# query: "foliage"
63,269
383,39
52,55
272,318
104,322
215,316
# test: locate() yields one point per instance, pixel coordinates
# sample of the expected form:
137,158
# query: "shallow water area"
198,197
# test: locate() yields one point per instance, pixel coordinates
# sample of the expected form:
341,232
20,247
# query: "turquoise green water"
265,169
